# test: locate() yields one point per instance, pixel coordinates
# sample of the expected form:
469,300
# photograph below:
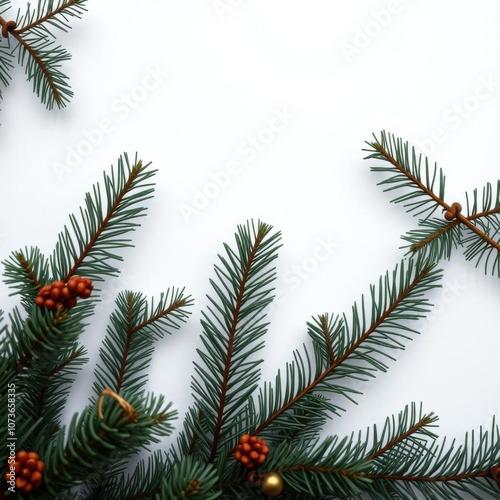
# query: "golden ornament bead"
272,484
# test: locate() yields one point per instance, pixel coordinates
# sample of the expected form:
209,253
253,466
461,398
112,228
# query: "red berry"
45,291
50,304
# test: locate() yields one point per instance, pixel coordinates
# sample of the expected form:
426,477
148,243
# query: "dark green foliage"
88,248
88,459
31,41
477,232
129,344
408,171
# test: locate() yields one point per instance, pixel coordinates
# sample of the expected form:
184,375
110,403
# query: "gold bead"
272,484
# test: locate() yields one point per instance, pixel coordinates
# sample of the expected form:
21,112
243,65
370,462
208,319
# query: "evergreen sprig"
40,355
478,231
29,39
129,344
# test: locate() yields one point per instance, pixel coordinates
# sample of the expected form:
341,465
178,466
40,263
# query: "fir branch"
332,466
436,238
94,441
135,326
411,429
43,334
143,483
440,471
359,349
36,49
104,223
42,60
232,329
190,478
406,170
56,15
26,272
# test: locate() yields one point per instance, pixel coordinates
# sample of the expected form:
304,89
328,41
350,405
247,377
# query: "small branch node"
453,212
7,27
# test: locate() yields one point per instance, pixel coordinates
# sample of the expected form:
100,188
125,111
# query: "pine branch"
128,346
358,350
26,272
104,223
143,483
56,14
190,478
93,440
43,335
406,173
332,466
36,49
440,471
232,328
436,238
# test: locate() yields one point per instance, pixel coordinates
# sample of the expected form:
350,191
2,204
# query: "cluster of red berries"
26,471
251,451
60,295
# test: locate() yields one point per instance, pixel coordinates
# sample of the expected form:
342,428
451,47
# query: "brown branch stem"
342,358
328,338
54,13
429,479
132,330
415,428
230,344
100,229
41,65
461,218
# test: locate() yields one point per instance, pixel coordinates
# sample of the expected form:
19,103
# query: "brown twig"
133,174
348,352
454,210
230,344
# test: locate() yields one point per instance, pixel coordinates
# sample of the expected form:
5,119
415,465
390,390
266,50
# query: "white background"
221,70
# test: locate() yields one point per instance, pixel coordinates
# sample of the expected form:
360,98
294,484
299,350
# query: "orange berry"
71,303
72,283
244,438
86,293
25,472
80,288
66,293
261,459
55,293
50,304
36,479
40,466
237,455
254,455
246,447
39,301
58,284
45,291
21,482
245,460
30,463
